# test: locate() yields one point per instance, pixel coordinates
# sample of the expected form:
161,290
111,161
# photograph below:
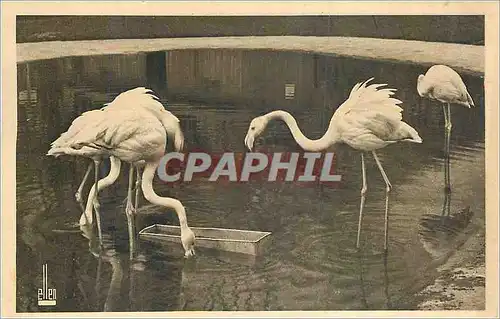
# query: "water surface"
311,263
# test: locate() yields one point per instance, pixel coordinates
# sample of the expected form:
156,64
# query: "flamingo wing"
139,97
370,97
368,129
371,118
86,121
128,134
447,91
447,86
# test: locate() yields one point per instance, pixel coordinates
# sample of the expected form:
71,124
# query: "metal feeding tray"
232,240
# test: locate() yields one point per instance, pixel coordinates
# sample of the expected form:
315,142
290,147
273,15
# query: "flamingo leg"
129,211
445,112
138,181
448,136
386,284
96,203
362,282
97,286
445,151
388,188
363,196
78,194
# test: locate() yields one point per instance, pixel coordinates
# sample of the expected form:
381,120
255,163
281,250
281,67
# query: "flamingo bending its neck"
368,120
130,135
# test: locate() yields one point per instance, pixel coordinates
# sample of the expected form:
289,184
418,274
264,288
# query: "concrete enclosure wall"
450,28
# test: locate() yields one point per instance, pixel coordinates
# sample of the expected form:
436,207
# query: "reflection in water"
438,234
113,296
311,263
374,262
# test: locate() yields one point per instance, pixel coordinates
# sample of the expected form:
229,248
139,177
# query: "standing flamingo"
134,137
443,84
368,120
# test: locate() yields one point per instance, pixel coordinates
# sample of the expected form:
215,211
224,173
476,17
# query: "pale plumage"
141,99
116,134
443,84
368,120
132,128
371,119
134,136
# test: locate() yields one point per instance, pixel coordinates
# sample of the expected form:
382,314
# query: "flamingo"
140,99
368,120
445,85
135,99
133,136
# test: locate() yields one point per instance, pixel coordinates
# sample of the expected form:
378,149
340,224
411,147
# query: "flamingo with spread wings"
368,120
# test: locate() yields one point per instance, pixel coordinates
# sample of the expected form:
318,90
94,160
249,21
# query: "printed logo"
46,296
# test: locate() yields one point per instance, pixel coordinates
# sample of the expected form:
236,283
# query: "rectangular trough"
247,242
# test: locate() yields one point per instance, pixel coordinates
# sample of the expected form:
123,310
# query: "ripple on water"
311,263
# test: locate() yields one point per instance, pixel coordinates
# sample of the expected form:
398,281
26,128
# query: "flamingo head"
188,240
256,128
421,85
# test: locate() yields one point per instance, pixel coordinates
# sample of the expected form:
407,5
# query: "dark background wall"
458,29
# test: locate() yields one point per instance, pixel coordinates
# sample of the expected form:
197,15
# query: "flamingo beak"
249,139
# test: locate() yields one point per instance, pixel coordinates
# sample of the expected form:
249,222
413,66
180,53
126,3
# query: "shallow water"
310,264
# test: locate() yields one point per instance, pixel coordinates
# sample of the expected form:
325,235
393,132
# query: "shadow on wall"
457,29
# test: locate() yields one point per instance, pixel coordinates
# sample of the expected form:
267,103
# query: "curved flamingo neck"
305,143
153,198
105,182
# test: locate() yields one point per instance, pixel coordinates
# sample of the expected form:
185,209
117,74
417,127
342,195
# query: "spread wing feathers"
371,98
371,118
140,97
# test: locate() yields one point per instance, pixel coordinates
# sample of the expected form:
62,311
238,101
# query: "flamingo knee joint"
78,197
364,190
